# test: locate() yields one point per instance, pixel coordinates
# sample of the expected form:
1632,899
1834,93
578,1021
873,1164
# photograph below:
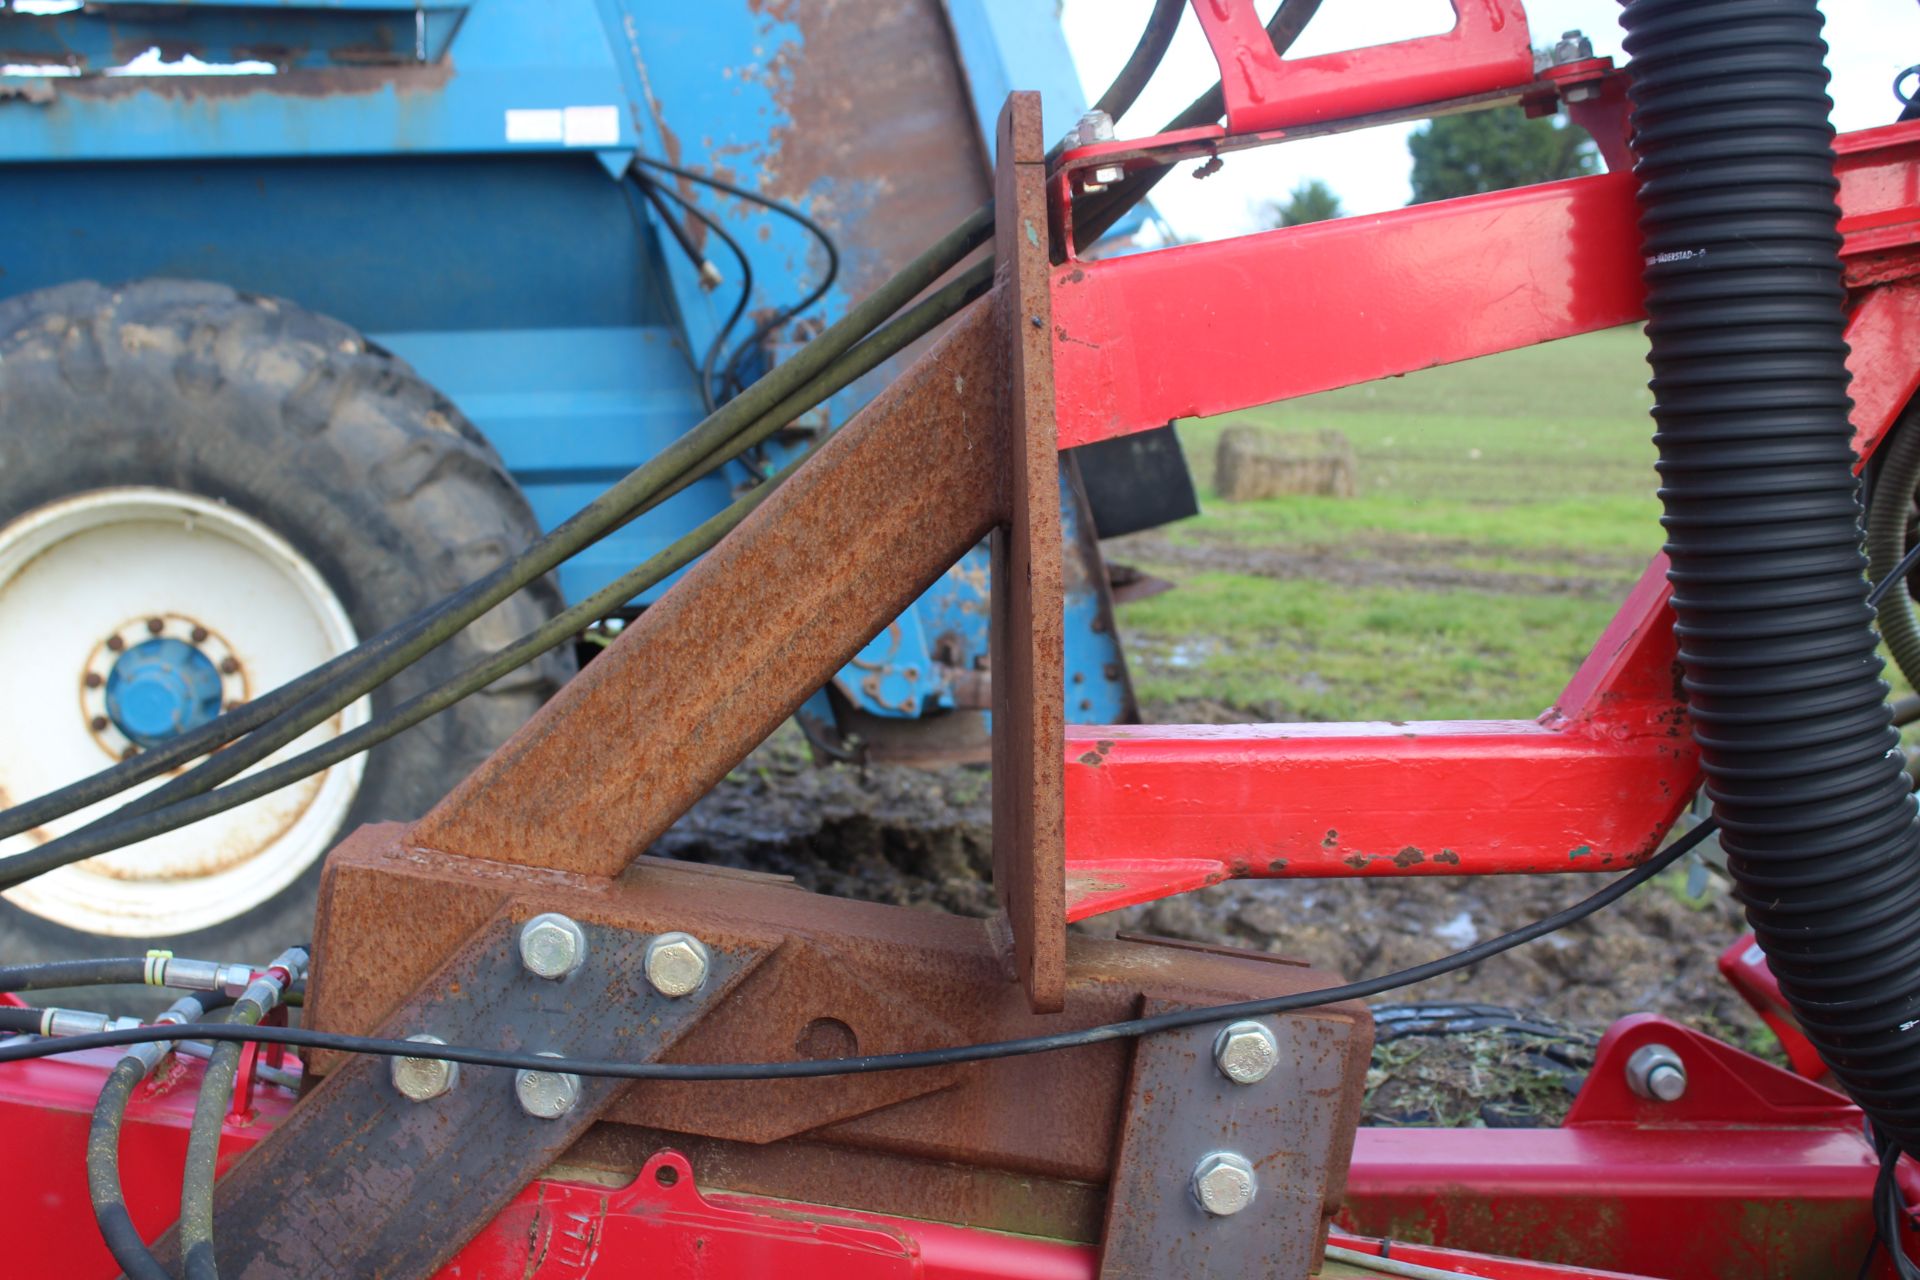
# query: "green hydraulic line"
120,829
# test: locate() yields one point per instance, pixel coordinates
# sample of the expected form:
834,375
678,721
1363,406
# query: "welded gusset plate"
1294,1128
361,1181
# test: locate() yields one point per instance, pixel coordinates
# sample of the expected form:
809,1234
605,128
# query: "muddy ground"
921,839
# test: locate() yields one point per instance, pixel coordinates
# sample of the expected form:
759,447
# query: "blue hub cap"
160,689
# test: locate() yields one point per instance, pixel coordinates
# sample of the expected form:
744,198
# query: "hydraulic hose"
210,1113
1899,476
126,827
1777,650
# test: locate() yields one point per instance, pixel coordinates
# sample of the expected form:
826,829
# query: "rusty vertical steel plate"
1028,620
360,1181
1293,1128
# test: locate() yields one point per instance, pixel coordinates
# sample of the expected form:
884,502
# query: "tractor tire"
241,489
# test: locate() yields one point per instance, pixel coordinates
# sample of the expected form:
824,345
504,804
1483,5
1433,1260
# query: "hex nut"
552,946
1246,1052
676,964
1224,1183
546,1095
1656,1073
424,1079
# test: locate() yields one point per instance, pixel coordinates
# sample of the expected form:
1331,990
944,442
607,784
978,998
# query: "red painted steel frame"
1753,1169
1595,781
1487,49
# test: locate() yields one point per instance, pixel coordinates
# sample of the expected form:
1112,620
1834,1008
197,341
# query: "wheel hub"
160,689
152,679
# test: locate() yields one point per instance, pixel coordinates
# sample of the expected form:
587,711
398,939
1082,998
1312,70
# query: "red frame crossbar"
1595,781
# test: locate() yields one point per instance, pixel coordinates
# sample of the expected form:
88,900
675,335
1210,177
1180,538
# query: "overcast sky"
1871,42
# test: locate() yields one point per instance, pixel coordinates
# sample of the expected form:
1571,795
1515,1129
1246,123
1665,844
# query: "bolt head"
1246,1052
1224,1183
546,1095
552,946
676,964
424,1079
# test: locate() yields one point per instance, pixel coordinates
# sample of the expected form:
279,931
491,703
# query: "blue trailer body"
453,179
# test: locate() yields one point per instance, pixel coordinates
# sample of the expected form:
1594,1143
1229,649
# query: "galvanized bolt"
1572,46
676,964
424,1079
1656,1073
546,1095
1224,1184
552,946
1246,1052
1096,126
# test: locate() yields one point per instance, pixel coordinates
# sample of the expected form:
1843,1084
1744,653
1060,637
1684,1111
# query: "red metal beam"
1595,781
1486,49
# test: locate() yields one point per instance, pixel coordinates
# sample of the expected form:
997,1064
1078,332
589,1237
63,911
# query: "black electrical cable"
300,1037
717,344
1094,215
807,224
1143,61
702,264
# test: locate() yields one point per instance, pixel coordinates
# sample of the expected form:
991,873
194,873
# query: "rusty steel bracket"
362,1180
1187,1121
413,931
1029,599
960,446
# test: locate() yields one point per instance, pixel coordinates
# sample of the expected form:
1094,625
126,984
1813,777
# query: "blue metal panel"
463,212
571,411
507,56
456,242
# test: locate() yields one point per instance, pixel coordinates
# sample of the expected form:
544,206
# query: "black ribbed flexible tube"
1745,314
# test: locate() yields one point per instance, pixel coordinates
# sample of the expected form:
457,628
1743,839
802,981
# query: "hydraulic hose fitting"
1745,307
149,1055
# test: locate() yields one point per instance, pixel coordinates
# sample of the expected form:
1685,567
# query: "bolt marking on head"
546,1095
424,1079
676,964
1224,1183
1246,1052
552,946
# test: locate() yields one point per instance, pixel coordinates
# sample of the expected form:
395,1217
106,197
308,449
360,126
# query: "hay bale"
1266,462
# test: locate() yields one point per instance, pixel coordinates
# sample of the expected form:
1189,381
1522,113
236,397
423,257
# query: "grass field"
1504,506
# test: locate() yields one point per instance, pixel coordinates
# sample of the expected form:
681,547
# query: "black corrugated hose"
1745,312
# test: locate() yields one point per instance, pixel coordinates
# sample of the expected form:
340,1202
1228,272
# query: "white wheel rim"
93,568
